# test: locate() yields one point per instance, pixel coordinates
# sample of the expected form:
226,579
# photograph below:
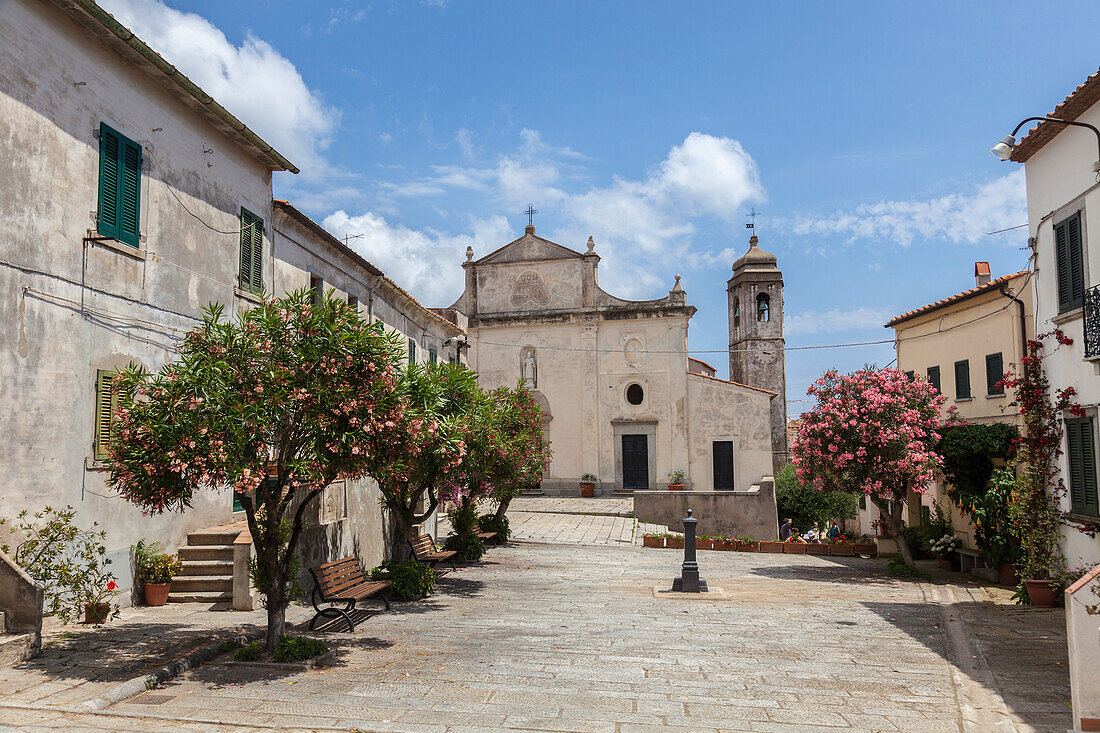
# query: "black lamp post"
1004,148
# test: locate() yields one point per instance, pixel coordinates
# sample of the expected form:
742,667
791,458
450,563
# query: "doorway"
635,462
722,451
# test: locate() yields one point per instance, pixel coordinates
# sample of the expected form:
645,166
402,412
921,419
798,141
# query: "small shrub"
297,649
899,569
249,652
469,547
411,579
490,523
229,646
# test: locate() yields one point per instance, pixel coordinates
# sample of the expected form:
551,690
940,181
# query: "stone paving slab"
568,637
613,506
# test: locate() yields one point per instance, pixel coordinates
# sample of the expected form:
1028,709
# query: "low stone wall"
21,598
727,513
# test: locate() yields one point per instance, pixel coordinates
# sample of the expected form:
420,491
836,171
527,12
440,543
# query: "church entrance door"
635,462
723,465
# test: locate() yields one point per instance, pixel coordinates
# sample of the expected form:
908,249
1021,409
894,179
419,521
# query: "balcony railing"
1092,322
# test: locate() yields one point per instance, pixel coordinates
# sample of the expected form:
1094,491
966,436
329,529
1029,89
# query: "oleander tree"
415,454
526,454
872,431
276,403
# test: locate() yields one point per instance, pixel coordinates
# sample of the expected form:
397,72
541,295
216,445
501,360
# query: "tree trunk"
896,525
502,507
276,606
399,535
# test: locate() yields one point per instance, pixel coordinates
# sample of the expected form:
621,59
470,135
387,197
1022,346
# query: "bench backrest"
423,546
337,576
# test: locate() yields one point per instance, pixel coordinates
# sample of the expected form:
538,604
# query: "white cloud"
831,321
424,262
253,80
713,173
957,217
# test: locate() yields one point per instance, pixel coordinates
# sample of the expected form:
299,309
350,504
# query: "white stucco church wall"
611,374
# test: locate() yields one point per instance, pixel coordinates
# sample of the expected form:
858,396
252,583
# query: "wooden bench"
342,581
486,536
424,550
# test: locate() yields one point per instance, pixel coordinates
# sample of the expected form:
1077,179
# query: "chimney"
981,274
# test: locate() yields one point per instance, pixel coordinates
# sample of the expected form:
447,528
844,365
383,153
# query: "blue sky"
860,129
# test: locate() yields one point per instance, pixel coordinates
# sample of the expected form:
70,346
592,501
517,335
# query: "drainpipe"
1003,288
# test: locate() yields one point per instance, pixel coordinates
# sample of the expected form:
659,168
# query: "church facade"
623,400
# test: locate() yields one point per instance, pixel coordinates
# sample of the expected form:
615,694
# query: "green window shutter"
412,351
129,198
910,375
432,356
106,400
110,156
257,254
1081,454
934,377
994,373
962,379
1069,263
245,276
252,250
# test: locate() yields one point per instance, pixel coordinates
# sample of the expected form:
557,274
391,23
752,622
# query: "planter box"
794,548
815,549
746,546
865,548
725,545
771,546
675,487
702,544
842,550
675,542
653,541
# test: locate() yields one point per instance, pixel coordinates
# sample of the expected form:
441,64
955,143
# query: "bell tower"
756,335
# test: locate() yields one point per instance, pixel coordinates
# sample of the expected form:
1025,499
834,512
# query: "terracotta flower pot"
794,548
588,490
156,594
675,487
725,544
815,549
747,546
842,550
704,544
1006,574
1042,593
96,613
675,542
766,546
865,548
653,541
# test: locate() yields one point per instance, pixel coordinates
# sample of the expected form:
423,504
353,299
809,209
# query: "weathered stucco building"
622,399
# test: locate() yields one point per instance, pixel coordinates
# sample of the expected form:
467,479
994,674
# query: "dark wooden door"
635,462
723,465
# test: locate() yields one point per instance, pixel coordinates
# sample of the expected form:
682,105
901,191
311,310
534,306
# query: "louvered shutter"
110,152
257,254
1076,265
106,400
1090,506
129,193
1081,453
246,251
934,377
994,373
962,379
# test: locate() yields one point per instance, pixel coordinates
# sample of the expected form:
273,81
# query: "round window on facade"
635,394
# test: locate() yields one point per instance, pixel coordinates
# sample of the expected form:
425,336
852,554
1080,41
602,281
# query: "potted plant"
817,548
946,549
651,539
704,542
588,485
865,545
770,546
725,543
676,480
675,541
156,570
841,546
95,590
746,544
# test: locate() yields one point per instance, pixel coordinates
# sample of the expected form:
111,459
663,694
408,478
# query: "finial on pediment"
591,244
469,254
677,287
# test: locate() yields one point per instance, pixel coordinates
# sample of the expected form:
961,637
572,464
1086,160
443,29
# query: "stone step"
207,567
202,584
14,648
212,537
206,552
200,597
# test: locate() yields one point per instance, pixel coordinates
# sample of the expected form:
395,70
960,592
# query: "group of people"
788,533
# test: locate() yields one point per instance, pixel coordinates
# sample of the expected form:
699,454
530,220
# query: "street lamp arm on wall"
1004,148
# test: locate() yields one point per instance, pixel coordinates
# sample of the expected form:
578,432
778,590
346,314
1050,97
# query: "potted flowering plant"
652,539
675,541
704,542
746,544
725,543
676,480
841,546
946,548
96,592
156,570
865,545
588,485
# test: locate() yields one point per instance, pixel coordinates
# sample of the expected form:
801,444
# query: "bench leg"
332,613
386,600
452,562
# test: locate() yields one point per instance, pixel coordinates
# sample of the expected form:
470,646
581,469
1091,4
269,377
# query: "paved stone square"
572,638
577,521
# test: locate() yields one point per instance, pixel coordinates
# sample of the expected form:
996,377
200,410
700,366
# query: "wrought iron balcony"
1092,322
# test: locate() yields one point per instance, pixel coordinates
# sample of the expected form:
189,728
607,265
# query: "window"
317,286
962,379
412,351
353,301
106,400
119,186
432,356
910,375
736,313
994,373
863,501
762,304
252,252
934,377
1071,273
635,394
1081,453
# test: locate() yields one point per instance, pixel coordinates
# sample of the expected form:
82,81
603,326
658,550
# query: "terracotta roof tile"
991,285
738,384
1083,97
